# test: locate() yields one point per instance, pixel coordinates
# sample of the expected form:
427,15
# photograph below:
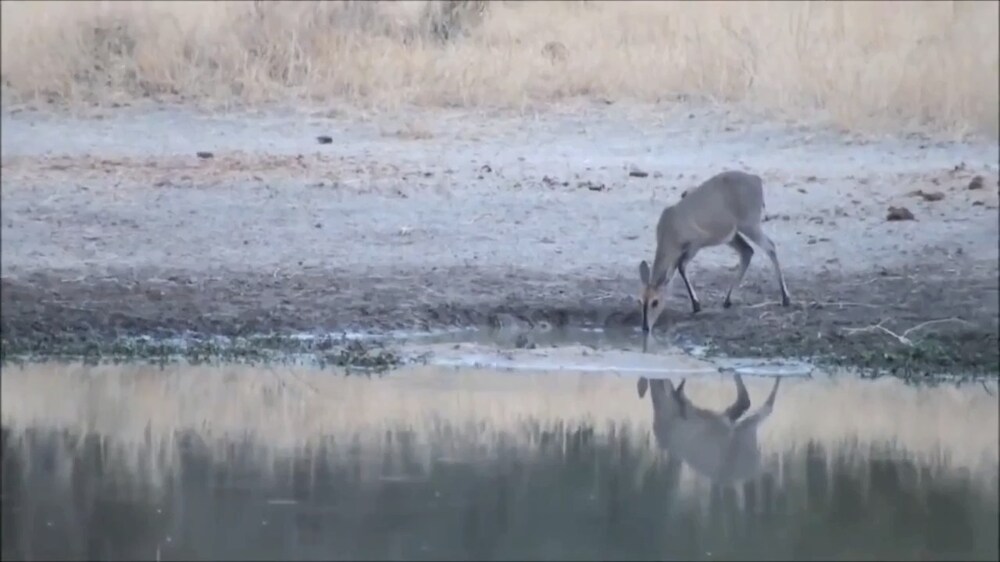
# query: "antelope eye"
655,303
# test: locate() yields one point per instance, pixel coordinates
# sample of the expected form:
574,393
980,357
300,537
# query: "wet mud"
831,318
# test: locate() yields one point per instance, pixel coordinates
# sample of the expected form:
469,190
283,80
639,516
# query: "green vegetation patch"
962,354
325,351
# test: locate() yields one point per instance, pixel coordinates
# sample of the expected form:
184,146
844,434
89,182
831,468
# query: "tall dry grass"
860,64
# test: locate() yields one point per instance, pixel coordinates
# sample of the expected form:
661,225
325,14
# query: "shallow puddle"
434,462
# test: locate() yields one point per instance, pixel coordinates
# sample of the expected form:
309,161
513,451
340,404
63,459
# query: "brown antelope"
725,209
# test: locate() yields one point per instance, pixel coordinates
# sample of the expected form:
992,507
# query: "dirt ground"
112,225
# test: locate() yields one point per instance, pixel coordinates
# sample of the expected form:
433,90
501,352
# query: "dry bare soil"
112,225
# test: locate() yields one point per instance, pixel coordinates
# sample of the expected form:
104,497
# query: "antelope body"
715,445
725,209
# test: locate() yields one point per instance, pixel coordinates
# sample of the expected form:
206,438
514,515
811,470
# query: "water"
428,462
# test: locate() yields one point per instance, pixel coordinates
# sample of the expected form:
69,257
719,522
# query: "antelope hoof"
785,301
695,307
727,303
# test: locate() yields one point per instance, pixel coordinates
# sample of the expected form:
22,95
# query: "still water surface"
264,463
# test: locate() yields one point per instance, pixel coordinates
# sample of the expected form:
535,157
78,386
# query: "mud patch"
832,318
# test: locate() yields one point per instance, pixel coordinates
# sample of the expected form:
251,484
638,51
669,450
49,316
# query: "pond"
463,462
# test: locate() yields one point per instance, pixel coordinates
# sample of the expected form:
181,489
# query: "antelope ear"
678,393
642,386
644,272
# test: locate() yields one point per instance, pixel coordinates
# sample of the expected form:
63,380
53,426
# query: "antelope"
726,209
714,444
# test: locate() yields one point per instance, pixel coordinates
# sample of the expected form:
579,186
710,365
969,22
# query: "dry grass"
891,64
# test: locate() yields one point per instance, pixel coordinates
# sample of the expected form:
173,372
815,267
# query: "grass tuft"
863,65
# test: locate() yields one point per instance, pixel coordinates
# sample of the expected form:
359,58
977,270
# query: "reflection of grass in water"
141,411
290,407
577,493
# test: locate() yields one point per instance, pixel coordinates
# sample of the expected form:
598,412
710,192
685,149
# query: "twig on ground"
932,322
760,304
882,278
845,303
608,295
901,338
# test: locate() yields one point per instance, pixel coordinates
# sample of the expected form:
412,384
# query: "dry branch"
901,338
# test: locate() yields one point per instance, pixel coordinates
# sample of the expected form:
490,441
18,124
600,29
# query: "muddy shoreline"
45,314
491,221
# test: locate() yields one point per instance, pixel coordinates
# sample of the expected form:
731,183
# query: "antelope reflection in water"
720,446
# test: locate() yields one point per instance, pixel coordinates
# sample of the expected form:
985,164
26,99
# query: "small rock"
978,204
204,155
635,172
592,186
555,51
324,139
930,195
811,179
801,190
976,183
522,341
899,214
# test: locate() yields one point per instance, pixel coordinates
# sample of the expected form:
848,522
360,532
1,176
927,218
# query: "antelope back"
720,205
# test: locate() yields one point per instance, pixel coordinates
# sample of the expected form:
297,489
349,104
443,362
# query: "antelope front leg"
681,269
